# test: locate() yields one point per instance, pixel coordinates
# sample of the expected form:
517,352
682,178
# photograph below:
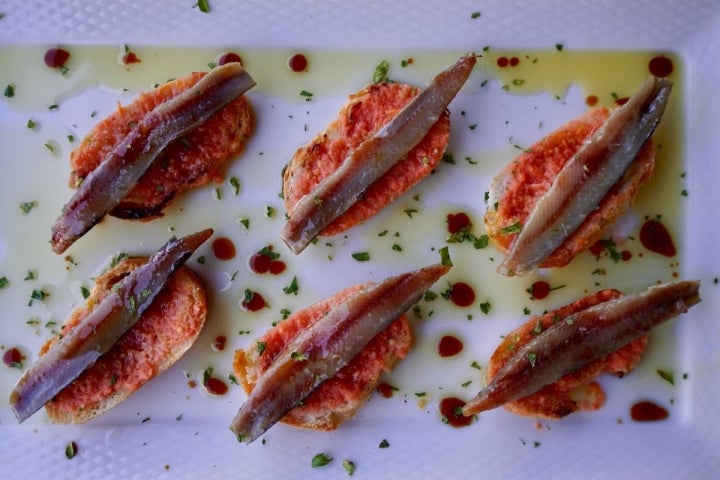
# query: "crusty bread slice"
340,397
517,187
164,332
196,159
365,112
574,391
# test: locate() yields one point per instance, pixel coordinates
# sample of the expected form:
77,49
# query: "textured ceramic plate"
173,428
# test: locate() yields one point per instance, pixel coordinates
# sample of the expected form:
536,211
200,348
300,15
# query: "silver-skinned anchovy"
577,340
101,328
372,158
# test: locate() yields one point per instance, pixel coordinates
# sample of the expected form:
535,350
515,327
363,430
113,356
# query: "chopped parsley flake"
384,444
235,184
445,257
71,450
511,229
308,95
381,72
10,90
666,375
532,358
485,307
4,282
203,6
559,47
349,467
261,347
475,15
292,289
85,291
31,123
320,460
27,206
361,256
410,211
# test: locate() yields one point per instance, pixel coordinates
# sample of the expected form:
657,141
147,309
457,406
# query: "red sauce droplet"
223,248
462,294
591,100
298,63
626,255
660,66
457,221
449,346
56,57
451,411
253,302
13,358
130,57
219,343
648,412
502,62
621,101
192,383
514,61
277,267
540,290
385,390
597,248
259,263
656,238
229,57
215,386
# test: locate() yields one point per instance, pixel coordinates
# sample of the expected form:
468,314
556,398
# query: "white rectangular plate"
168,429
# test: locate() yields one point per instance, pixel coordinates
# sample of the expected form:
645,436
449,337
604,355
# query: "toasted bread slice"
196,159
366,112
165,331
338,398
516,189
574,391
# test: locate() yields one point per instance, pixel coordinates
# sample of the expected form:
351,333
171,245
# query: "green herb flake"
445,257
666,375
71,449
384,444
235,184
27,206
308,95
245,222
299,357
485,307
203,6
207,375
31,124
261,347
201,259
285,313
532,358
113,380
233,379
448,158
349,467
292,289
269,211
476,365
429,296
475,15
511,229
84,291
38,295
559,47
397,247
4,282
10,90
381,72
320,460
518,82
361,256
466,384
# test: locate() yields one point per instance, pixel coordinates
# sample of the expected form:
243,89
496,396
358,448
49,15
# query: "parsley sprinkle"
31,123
511,229
203,6
71,450
485,307
666,375
292,289
261,347
532,358
308,95
381,71
384,444
84,291
235,184
559,47
320,460
349,467
445,257
475,15
27,206
361,256
10,90
4,282
245,222
397,247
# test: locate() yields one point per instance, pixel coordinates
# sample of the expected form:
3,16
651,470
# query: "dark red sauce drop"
597,248
646,411
449,346
621,101
266,261
514,61
298,63
215,386
219,343
385,390
229,57
223,248
502,62
253,302
540,290
457,221
660,66
13,358
56,57
462,294
451,411
626,255
130,57
656,238
591,100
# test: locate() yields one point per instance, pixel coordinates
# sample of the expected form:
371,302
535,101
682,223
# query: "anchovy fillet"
372,158
121,170
101,328
326,346
587,177
577,340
